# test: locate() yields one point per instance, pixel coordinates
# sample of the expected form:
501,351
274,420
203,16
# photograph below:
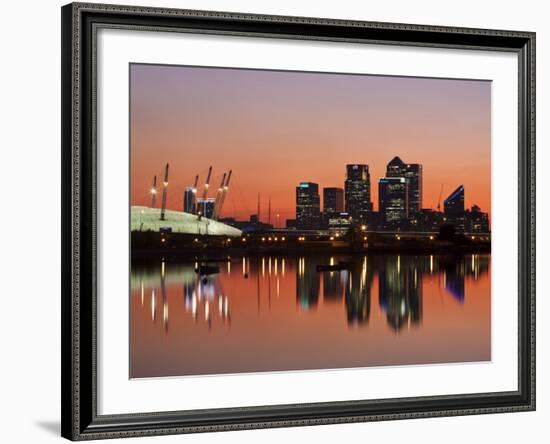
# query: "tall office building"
454,209
189,200
393,200
205,207
333,203
357,192
413,173
308,206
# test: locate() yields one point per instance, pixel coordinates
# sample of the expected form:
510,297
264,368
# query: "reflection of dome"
208,290
148,219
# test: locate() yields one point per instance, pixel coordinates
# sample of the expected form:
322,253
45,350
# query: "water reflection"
400,285
283,312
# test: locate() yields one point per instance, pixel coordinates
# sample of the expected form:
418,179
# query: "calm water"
280,313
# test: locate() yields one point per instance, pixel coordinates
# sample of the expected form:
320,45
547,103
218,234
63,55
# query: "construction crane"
439,200
154,192
164,192
217,202
225,189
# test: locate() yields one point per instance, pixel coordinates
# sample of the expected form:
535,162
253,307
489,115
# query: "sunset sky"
277,128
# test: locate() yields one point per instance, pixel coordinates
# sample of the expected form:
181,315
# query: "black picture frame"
80,420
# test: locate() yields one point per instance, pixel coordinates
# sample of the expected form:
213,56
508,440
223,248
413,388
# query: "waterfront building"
357,192
476,220
393,201
454,209
189,200
308,206
413,173
339,223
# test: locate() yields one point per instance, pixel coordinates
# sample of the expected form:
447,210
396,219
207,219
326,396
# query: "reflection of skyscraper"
400,290
358,293
412,172
189,200
454,270
392,199
333,282
454,208
308,206
307,283
357,192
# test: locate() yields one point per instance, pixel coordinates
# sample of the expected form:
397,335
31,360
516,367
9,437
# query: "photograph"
291,220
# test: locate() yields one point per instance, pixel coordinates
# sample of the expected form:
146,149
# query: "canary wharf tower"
412,172
357,192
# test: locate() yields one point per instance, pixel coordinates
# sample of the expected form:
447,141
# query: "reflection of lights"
277,287
162,269
269,265
206,310
283,266
220,304
229,267
331,262
263,266
398,264
194,306
431,264
153,304
142,291
226,307
445,279
165,312
244,266
276,266
415,278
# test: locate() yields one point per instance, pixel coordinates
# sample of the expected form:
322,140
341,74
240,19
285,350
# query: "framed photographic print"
279,221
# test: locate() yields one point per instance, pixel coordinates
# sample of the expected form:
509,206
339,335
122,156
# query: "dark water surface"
279,313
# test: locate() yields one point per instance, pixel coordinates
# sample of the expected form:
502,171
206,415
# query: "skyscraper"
413,173
206,206
189,200
308,206
393,200
333,202
454,209
357,192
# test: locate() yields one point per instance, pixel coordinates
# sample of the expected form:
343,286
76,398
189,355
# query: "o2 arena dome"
148,219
